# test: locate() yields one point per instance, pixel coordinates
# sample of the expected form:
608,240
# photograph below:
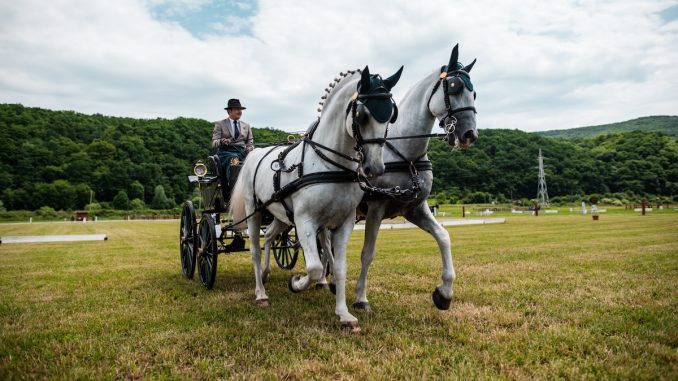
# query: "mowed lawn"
549,297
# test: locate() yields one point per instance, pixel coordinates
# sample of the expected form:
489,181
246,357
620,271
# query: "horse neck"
331,131
414,119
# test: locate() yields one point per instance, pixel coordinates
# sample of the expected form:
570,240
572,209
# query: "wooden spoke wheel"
207,251
286,249
188,240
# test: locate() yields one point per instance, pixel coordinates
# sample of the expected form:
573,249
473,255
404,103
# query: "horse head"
368,114
452,102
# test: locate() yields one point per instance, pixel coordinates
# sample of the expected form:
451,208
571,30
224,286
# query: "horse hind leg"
272,232
373,219
325,238
422,217
314,268
254,226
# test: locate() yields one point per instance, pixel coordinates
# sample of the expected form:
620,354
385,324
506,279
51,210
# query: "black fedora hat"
234,103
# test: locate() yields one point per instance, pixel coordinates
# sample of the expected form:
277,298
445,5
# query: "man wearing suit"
232,137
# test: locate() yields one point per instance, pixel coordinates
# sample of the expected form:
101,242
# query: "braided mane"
330,88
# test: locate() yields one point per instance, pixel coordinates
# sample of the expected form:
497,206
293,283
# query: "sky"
542,65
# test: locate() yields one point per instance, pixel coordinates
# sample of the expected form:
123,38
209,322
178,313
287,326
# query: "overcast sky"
541,64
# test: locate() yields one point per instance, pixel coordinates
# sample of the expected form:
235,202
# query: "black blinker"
455,85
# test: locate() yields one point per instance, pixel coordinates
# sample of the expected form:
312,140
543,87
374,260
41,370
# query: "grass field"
549,297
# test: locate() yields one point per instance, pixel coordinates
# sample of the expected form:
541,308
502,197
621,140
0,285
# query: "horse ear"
392,80
470,66
454,58
365,80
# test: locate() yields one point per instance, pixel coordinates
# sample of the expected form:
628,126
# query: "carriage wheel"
187,240
207,251
286,249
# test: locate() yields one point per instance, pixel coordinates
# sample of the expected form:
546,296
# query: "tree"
121,201
136,190
160,200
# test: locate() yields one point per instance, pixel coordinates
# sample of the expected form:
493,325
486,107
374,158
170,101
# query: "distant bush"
137,204
121,201
477,198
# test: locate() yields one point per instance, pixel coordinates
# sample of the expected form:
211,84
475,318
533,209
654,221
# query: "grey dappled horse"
419,108
349,137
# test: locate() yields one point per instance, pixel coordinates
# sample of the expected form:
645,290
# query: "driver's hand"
225,141
249,148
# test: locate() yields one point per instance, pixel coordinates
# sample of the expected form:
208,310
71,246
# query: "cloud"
541,65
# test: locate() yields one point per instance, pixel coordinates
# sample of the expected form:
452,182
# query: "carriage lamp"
200,169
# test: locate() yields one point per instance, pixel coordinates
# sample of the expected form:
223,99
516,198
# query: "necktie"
236,129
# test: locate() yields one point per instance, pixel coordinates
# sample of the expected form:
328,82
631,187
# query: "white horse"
446,94
316,181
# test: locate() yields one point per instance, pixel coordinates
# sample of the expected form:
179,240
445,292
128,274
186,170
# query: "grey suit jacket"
223,129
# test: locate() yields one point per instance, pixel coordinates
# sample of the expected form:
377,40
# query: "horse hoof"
333,288
263,303
362,306
322,286
350,326
291,281
441,302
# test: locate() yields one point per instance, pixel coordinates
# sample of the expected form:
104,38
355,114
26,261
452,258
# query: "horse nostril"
367,171
469,136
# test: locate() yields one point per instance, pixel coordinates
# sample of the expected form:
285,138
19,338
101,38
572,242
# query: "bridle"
449,121
360,116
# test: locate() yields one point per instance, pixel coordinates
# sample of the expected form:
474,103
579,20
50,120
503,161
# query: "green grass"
553,297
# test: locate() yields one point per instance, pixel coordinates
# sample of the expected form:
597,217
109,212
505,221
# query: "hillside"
58,158
55,158
664,124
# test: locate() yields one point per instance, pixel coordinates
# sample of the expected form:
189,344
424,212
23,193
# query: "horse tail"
238,201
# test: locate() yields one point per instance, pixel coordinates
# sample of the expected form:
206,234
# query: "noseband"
449,121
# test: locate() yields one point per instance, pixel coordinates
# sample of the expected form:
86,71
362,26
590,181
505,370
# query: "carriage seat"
213,189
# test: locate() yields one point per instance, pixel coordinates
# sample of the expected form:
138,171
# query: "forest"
62,159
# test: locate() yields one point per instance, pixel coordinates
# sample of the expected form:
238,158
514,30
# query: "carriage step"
238,244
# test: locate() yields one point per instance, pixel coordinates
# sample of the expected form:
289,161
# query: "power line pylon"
542,193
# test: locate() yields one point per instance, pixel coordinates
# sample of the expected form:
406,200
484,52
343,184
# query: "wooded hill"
665,124
54,158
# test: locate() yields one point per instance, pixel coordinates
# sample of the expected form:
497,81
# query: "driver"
232,137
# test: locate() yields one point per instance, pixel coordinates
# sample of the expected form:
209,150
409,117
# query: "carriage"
202,240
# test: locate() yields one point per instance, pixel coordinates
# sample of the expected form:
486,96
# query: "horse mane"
329,90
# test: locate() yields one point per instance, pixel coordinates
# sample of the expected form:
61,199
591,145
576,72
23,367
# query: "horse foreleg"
422,217
375,213
306,232
340,238
254,226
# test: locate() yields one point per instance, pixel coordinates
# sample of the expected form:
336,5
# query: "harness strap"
254,179
402,166
309,179
422,136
